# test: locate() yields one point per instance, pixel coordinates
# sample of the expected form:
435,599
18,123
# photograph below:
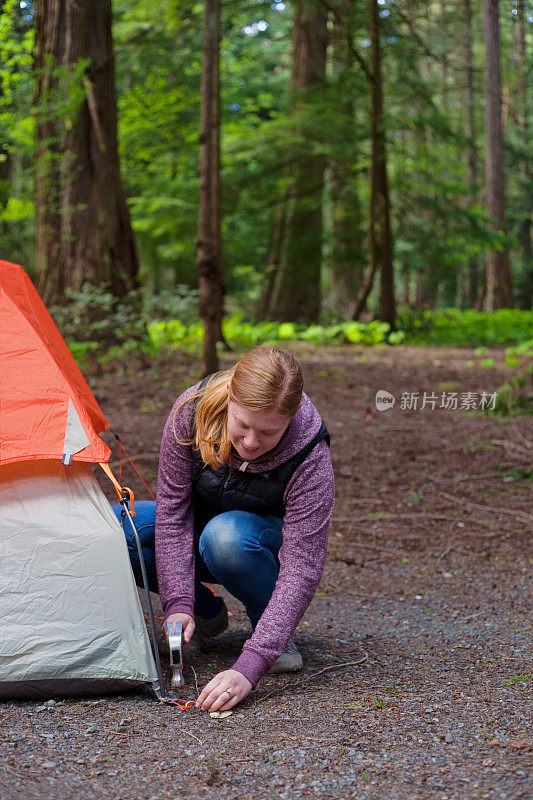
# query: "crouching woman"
245,493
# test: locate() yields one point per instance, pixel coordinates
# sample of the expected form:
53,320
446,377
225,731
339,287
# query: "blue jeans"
237,549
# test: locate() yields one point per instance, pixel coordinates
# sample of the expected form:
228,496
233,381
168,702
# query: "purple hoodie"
308,499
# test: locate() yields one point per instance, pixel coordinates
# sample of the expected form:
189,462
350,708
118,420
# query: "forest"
351,181
319,164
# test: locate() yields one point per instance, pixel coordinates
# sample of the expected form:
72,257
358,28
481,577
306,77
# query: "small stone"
92,729
40,708
50,703
49,764
124,722
448,738
48,736
428,710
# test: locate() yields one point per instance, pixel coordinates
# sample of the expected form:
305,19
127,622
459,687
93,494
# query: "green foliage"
239,332
517,679
94,315
462,328
515,397
16,134
439,221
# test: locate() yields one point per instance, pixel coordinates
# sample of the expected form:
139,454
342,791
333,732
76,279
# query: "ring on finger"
228,691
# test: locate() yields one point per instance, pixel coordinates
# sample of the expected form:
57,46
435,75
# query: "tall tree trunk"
209,237
470,282
348,238
296,288
379,234
497,272
83,230
524,234
272,261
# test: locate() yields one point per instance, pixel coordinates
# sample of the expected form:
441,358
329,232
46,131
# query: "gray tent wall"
71,620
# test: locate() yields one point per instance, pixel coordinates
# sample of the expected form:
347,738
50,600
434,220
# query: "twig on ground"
377,547
195,681
445,553
294,684
461,478
461,501
511,445
182,730
392,517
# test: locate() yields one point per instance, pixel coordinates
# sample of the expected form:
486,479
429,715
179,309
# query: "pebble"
49,764
92,729
448,738
50,703
124,722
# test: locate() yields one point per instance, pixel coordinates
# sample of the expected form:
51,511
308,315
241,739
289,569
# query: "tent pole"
126,513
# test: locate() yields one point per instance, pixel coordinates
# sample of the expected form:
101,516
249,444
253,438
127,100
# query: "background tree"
348,251
209,240
296,285
497,278
83,230
379,229
432,82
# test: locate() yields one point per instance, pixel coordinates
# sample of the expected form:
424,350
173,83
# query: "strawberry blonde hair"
265,379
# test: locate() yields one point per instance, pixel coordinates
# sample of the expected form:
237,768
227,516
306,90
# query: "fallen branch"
314,675
495,509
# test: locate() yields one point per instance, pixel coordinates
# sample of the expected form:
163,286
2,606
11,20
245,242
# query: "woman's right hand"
187,622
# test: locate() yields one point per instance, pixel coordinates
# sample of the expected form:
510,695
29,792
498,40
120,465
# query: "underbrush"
98,328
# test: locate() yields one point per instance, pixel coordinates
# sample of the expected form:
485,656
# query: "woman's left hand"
216,697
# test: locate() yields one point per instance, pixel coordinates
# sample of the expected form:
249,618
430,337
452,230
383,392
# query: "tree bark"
209,261
83,230
296,288
524,233
379,233
272,261
497,275
348,238
470,283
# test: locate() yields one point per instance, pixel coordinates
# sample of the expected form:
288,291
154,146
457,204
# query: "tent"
72,622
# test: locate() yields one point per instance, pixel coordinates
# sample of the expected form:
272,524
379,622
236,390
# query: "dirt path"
426,580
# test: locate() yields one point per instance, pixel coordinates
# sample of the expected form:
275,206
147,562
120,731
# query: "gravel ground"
417,665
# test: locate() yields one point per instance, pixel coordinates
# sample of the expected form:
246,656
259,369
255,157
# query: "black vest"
226,489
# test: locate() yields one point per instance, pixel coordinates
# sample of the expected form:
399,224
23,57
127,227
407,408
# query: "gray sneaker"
289,661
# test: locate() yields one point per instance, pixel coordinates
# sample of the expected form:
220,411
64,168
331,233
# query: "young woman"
245,493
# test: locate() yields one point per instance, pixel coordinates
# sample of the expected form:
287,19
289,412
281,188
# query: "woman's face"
254,433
